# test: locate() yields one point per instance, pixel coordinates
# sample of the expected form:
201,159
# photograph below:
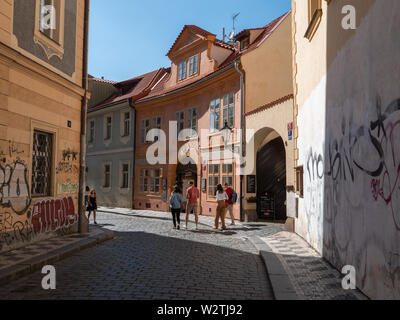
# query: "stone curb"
25,268
281,285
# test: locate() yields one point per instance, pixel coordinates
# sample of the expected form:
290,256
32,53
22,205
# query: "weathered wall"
350,210
29,104
38,94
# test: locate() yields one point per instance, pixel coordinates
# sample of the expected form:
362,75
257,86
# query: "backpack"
234,197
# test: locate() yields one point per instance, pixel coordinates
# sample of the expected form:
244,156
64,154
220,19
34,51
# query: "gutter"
243,137
132,105
212,75
82,169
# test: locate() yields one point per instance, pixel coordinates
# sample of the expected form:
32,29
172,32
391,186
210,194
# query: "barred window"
42,164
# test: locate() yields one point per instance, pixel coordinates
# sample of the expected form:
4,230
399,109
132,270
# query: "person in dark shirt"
92,205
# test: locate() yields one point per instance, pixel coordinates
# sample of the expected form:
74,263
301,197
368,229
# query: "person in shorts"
192,196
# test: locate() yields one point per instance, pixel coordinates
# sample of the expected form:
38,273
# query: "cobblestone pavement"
149,260
312,277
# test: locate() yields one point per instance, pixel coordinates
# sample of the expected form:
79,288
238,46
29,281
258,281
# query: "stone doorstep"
282,287
31,265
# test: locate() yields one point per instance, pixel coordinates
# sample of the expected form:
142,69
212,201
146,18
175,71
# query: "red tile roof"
160,89
135,88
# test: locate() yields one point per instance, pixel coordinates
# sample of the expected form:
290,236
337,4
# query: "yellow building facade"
41,92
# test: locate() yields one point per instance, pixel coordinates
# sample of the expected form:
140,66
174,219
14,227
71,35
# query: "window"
157,125
215,115
300,181
107,176
180,119
229,110
125,176
192,119
182,71
155,178
42,164
49,19
213,179
144,129
127,124
91,131
193,65
144,180
108,128
244,43
314,17
227,174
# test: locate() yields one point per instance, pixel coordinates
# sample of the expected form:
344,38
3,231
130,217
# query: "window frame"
126,123
182,70
122,175
192,120
50,159
215,115
193,62
226,108
314,18
144,130
180,121
104,185
92,131
107,126
300,181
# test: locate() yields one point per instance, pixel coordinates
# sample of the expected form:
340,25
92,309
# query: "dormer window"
182,70
193,65
244,43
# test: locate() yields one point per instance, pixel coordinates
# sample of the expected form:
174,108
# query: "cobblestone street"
149,260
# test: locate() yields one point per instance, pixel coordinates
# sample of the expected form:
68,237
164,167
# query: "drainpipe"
132,105
82,169
243,136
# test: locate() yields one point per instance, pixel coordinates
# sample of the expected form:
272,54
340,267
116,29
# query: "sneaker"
179,227
233,224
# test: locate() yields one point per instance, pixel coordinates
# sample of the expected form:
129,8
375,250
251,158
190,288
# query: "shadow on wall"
361,160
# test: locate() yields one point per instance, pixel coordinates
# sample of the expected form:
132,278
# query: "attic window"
244,43
182,70
193,65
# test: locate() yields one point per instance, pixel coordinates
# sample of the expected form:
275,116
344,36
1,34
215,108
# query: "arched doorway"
271,180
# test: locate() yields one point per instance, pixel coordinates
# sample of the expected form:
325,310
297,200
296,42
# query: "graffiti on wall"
14,188
68,187
53,215
12,230
67,165
372,150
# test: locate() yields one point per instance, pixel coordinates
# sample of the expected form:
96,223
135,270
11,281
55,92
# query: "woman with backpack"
175,203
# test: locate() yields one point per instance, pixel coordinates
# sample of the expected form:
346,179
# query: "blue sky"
132,37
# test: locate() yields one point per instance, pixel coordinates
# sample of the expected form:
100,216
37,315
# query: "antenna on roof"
232,34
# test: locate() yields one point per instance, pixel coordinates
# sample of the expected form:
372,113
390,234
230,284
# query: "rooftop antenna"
232,34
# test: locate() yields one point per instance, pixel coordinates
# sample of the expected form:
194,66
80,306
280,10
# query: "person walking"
175,203
87,193
92,205
192,196
221,208
229,203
